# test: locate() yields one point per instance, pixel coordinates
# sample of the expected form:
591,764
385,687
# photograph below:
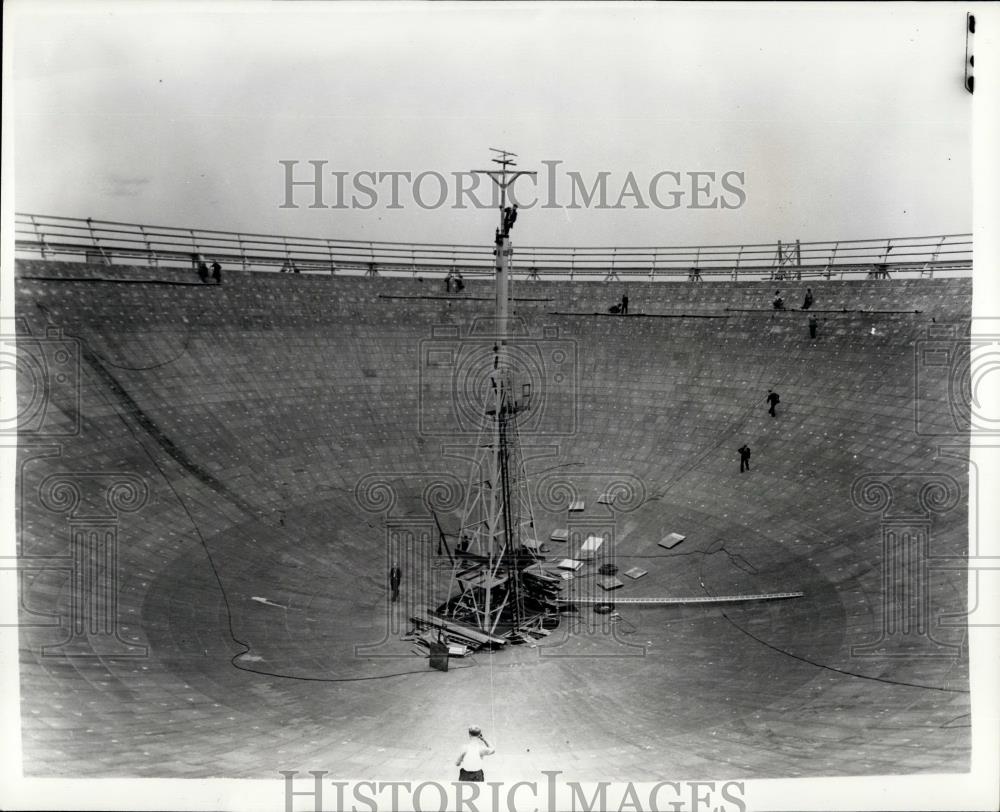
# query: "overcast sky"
846,122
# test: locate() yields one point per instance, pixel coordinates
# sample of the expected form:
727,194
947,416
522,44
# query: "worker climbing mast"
490,590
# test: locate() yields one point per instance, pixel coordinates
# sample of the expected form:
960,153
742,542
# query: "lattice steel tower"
496,539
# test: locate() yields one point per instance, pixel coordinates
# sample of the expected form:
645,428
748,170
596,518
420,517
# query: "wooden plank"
544,575
457,629
532,544
481,578
590,547
671,540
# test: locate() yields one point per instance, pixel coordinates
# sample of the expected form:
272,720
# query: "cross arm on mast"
500,173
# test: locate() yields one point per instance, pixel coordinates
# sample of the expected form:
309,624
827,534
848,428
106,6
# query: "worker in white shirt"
470,762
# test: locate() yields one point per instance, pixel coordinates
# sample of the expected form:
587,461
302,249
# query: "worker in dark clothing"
813,323
773,400
808,301
624,306
395,576
217,272
778,303
202,271
744,451
509,218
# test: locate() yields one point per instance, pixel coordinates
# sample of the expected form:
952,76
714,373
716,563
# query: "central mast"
504,553
490,590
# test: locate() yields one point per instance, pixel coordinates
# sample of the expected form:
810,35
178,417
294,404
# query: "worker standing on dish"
470,761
